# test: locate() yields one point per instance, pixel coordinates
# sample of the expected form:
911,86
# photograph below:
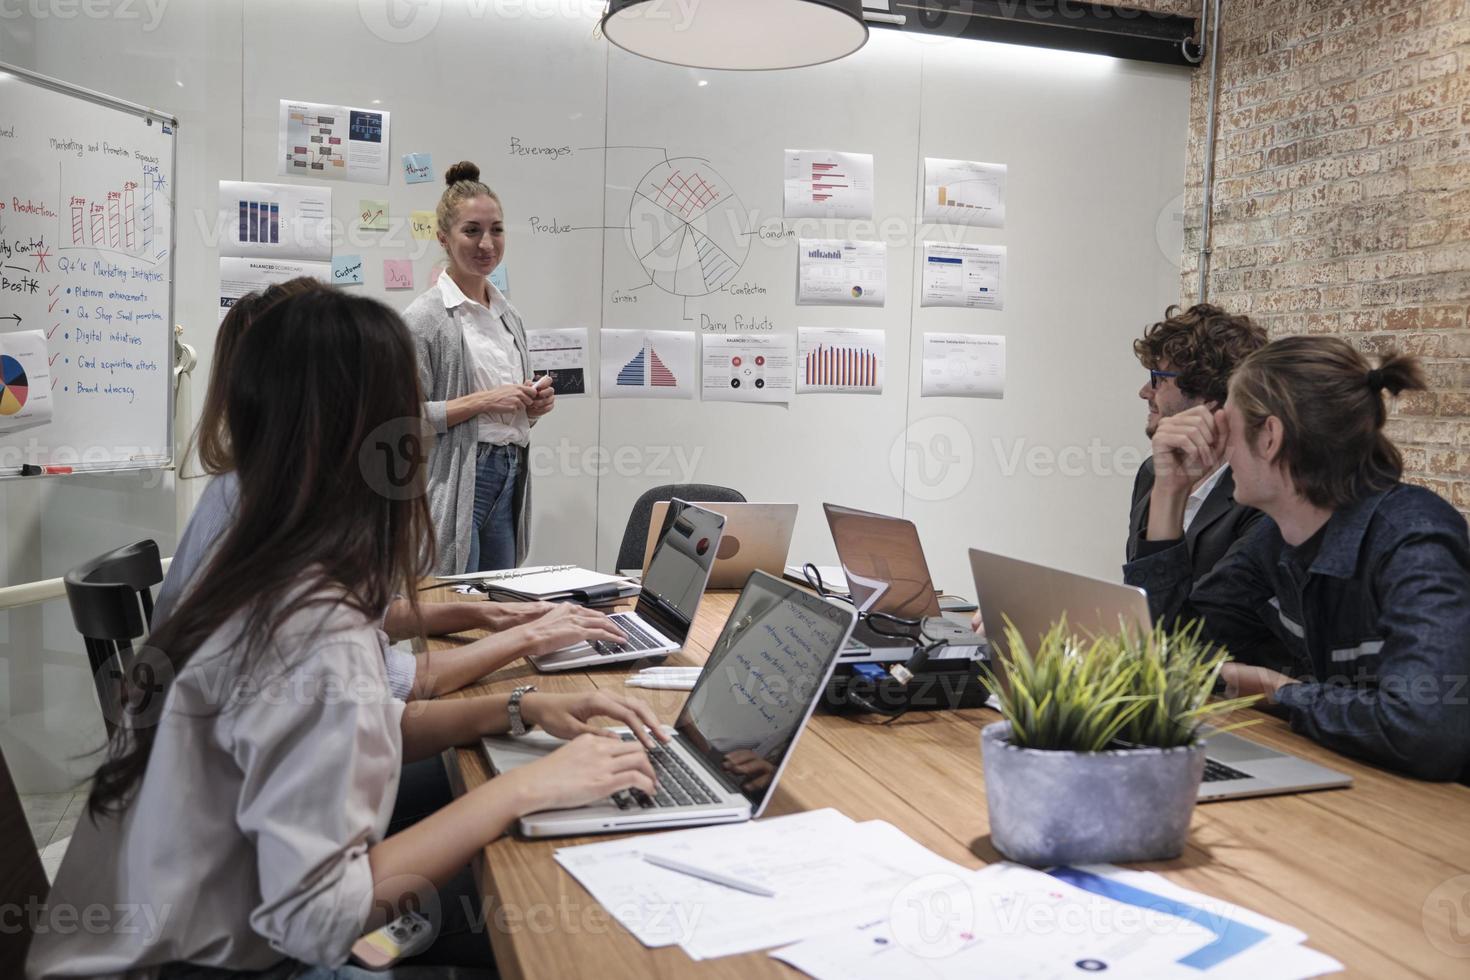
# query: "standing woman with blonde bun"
473,368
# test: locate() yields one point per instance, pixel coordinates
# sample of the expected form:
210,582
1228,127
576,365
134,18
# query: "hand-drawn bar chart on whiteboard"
840,359
86,280
647,364
127,214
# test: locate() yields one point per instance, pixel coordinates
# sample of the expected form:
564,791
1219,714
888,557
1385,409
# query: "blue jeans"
493,530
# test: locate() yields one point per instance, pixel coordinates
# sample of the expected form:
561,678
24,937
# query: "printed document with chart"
964,192
964,365
271,233
963,275
828,184
332,142
838,273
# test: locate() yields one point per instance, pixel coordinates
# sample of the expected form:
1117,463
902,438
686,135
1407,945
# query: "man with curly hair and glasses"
1190,355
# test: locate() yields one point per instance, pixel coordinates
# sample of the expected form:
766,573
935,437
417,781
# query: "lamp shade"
745,35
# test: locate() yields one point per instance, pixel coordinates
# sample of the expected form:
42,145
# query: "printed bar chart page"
828,184
840,359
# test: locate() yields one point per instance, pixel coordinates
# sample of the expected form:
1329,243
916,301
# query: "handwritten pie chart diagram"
687,228
14,388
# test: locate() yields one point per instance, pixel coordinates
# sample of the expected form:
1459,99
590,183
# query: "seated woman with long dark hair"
245,814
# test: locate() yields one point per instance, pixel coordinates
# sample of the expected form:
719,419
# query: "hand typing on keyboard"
570,715
679,784
567,624
634,638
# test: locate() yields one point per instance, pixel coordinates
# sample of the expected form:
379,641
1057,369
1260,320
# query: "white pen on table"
707,875
664,683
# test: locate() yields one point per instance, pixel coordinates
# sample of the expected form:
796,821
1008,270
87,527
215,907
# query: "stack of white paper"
1011,922
543,581
825,869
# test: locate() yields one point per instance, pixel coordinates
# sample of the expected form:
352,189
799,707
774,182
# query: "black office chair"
23,884
112,606
635,537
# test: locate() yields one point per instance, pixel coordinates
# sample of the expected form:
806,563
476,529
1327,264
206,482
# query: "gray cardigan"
444,374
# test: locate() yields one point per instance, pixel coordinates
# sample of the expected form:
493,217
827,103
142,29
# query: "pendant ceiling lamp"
747,35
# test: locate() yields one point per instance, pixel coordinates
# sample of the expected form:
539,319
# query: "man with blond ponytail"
1363,579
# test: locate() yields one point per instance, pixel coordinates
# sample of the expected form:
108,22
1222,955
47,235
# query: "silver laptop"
757,536
1034,596
667,602
885,569
736,731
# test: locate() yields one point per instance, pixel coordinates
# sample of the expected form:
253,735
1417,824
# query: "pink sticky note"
434,274
397,274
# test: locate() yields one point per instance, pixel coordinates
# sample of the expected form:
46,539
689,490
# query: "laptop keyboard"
678,785
638,638
1216,772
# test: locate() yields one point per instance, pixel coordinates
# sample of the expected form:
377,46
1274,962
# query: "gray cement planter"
1051,808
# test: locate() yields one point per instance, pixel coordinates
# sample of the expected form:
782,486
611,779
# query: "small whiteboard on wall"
86,279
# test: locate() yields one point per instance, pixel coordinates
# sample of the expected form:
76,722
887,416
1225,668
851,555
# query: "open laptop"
736,731
1034,596
757,536
667,602
885,569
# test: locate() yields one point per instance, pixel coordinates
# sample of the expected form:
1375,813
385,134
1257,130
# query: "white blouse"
493,359
247,839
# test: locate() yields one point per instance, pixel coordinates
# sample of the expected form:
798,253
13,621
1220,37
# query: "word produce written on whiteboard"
86,227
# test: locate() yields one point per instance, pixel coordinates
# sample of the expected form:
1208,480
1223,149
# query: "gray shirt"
444,374
212,517
247,840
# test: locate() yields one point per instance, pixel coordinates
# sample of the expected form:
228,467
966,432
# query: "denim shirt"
1377,625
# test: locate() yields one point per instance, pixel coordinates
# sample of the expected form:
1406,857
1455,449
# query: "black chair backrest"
112,605
23,884
635,536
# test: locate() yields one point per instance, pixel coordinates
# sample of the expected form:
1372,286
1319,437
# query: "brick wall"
1342,193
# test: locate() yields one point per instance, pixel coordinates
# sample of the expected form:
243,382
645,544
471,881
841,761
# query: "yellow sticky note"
423,223
373,215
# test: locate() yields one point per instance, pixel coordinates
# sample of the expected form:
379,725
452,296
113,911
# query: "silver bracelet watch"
517,723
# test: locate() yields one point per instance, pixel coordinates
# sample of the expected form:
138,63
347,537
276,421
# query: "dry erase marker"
542,383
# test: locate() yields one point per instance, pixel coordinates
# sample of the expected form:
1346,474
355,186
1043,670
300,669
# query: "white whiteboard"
565,127
86,279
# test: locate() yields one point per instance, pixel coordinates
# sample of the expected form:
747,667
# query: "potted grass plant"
1099,757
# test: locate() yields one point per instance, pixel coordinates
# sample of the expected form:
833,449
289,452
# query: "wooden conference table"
1367,873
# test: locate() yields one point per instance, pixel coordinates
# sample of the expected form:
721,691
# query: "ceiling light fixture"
742,35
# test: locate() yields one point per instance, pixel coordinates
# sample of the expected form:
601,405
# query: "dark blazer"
1219,524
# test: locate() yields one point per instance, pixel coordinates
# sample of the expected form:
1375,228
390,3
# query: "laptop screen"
883,562
761,681
680,566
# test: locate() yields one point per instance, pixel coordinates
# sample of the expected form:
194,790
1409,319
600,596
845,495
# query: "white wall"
1096,154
